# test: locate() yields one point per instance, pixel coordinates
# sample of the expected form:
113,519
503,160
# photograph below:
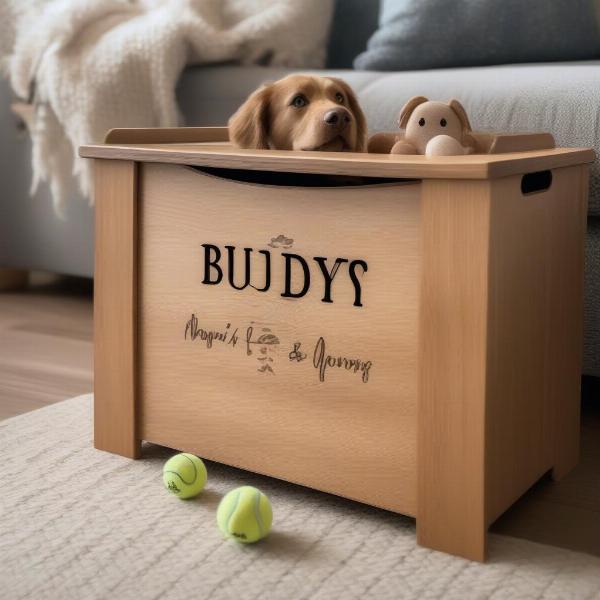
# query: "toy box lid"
210,147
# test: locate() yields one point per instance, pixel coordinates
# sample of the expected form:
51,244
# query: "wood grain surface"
115,308
535,326
452,367
166,135
223,154
354,437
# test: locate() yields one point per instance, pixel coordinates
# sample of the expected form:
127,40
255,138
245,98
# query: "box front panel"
278,329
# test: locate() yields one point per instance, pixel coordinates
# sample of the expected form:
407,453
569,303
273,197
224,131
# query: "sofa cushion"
423,34
353,23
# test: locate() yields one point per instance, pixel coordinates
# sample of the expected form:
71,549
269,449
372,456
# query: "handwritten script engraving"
322,361
297,354
266,341
260,341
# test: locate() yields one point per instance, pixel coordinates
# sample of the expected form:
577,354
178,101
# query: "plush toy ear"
249,126
408,109
459,109
354,106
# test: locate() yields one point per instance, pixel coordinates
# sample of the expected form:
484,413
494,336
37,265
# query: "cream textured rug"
79,523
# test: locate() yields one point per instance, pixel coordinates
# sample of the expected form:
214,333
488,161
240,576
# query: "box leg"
452,367
115,308
462,535
567,224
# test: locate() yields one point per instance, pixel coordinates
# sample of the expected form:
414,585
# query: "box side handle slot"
533,183
298,180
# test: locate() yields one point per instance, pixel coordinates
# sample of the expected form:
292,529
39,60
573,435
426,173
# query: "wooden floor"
46,356
46,345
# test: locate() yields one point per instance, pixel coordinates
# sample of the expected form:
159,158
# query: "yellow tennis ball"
184,475
245,515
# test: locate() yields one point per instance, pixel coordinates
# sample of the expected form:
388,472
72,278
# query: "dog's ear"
359,115
459,109
249,126
408,109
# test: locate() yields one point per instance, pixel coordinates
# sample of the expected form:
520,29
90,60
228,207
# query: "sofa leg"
13,279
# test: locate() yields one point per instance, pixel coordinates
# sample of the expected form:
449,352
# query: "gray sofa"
563,98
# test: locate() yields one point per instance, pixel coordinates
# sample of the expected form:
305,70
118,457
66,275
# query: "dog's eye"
339,98
443,122
299,101
422,122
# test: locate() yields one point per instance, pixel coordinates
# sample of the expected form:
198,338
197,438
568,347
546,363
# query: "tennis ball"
184,475
245,515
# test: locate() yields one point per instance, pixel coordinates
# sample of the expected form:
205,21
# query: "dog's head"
301,112
423,120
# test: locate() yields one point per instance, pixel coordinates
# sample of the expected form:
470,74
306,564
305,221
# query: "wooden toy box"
402,331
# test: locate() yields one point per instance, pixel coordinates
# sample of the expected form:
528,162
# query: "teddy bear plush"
430,128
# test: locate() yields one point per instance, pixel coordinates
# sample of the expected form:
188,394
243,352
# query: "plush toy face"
423,120
429,120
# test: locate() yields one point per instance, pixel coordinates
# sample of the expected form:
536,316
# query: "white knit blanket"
77,523
90,65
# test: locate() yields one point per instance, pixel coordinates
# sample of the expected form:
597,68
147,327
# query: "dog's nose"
338,117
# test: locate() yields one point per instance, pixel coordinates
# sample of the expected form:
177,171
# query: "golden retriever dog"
301,112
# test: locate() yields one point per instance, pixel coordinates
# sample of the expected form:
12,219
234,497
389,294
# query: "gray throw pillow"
425,34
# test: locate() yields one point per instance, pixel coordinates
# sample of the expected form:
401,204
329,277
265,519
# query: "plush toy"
430,128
